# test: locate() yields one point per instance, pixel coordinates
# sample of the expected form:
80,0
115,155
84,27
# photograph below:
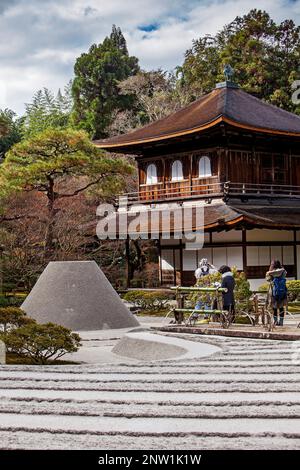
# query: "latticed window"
151,174
204,167
177,171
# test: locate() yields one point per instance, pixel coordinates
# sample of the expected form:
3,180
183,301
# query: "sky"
41,39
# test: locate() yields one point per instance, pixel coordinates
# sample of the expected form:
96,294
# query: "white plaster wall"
219,257
167,261
205,253
235,257
189,260
288,255
263,255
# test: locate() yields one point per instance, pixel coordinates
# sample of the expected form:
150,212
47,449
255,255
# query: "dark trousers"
231,310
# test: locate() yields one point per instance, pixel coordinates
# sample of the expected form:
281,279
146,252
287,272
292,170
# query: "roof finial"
228,72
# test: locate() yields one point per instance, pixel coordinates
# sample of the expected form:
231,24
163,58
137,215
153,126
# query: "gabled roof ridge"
202,99
231,105
263,102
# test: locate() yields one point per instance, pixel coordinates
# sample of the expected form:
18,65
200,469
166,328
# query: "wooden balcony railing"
261,190
207,189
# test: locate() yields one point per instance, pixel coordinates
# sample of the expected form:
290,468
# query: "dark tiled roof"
226,104
217,217
271,216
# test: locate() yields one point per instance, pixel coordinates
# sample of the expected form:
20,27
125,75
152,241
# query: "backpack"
279,288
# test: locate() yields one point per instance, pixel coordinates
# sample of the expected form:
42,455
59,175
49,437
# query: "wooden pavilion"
238,158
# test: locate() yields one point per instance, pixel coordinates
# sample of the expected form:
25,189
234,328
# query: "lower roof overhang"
214,217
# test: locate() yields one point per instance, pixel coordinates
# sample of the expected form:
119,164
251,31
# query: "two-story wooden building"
238,158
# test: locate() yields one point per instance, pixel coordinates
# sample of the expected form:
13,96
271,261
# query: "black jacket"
228,282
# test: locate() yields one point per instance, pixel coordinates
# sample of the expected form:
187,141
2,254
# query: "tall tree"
10,130
156,95
47,111
60,165
264,55
95,86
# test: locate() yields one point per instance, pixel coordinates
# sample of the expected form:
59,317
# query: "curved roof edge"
103,145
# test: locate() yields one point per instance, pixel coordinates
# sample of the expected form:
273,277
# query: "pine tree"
95,87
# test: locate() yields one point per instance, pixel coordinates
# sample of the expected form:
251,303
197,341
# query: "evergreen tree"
264,55
95,87
59,164
10,130
47,111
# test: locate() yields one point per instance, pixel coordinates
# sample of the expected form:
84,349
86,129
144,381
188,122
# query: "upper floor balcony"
212,188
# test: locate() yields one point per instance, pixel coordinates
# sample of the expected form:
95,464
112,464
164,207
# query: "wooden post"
127,257
244,250
159,255
295,254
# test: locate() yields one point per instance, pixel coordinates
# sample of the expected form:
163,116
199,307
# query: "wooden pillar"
290,172
181,260
191,174
295,254
174,266
127,257
163,164
244,242
159,254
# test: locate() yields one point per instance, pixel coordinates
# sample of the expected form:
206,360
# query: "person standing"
204,269
228,282
277,278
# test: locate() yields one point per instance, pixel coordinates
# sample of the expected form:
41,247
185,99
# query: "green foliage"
10,130
95,87
47,111
60,164
3,126
11,318
264,55
42,342
151,300
10,301
242,320
41,162
242,291
293,287
205,281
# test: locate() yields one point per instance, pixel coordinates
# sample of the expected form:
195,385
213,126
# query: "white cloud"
39,41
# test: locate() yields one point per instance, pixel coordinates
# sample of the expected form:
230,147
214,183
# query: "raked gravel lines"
246,396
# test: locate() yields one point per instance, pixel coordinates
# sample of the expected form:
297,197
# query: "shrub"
242,291
42,342
242,320
11,300
152,300
13,317
293,287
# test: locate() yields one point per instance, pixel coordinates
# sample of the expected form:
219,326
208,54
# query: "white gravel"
245,395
